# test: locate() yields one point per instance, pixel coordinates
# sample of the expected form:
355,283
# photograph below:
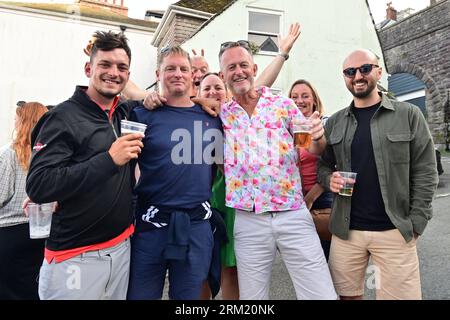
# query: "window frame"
255,32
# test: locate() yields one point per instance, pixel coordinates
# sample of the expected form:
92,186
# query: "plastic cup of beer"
40,216
302,133
128,127
349,182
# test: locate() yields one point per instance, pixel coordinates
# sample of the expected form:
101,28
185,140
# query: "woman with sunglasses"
317,199
20,256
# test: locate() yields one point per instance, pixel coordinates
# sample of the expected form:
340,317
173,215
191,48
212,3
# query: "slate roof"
215,7
210,6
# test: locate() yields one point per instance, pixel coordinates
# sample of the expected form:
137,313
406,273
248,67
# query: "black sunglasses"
365,69
230,44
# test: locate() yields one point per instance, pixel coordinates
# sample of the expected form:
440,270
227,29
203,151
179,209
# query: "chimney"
391,13
116,6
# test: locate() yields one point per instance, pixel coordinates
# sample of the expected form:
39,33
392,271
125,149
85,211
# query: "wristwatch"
284,55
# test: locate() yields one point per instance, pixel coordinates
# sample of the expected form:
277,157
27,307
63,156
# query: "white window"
263,29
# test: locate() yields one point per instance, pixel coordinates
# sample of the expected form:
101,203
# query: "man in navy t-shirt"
181,144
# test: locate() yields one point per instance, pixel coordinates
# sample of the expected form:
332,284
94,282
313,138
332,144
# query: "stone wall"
420,45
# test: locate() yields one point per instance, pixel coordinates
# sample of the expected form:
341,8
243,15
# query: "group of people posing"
215,187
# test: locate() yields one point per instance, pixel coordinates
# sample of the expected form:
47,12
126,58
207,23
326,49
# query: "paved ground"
434,247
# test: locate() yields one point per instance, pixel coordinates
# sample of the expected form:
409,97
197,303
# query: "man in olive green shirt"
388,144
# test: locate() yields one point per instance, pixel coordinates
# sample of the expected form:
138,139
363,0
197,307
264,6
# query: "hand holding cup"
302,132
40,216
342,182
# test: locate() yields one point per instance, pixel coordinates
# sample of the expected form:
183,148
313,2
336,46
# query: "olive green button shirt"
406,165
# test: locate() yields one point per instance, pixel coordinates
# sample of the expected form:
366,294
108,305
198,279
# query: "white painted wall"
42,59
330,31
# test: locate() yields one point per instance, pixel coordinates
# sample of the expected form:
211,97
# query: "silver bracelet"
284,55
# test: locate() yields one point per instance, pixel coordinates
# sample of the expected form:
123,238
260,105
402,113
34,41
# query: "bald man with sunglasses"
388,144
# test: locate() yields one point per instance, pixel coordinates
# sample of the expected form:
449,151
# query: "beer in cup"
349,182
302,133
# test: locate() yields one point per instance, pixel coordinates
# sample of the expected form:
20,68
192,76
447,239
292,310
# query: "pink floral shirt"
261,172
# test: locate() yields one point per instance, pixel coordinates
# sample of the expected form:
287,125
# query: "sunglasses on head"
20,103
165,49
365,69
230,44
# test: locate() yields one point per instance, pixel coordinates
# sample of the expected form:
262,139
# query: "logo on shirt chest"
39,146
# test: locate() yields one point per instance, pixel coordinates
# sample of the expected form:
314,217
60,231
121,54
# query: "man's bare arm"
271,72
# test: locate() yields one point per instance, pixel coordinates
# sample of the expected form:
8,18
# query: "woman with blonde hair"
20,256
317,199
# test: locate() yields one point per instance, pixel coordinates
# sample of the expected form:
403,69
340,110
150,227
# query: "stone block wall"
420,45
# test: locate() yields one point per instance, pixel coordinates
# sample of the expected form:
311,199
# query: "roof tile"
213,7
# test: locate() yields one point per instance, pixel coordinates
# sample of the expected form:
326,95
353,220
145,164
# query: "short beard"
362,94
241,90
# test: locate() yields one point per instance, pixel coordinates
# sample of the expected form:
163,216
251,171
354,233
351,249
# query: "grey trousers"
93,275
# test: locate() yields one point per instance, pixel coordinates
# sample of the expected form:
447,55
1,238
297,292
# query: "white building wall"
42,59
330,31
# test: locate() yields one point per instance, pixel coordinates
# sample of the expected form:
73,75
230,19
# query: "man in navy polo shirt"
172,228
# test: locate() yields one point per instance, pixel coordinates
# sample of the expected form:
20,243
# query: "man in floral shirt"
263,184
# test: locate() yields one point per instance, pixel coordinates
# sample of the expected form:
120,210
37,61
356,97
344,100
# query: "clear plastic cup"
349,183
302,133
40,216
128,127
